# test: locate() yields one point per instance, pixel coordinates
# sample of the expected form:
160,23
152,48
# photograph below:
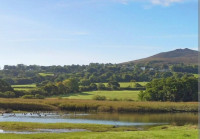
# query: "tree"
4,86
171,89
93,86
71,85
85,82
101,86
61,88
113,85
9,94
51,89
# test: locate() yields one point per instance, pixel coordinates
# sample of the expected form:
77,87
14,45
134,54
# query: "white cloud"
165,2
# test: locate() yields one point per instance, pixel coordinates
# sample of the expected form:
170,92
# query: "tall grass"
29,105
94,105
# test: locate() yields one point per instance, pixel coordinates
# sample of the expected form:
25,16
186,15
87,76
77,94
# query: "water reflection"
136,119
172,118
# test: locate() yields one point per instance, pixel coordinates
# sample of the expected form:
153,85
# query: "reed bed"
52,104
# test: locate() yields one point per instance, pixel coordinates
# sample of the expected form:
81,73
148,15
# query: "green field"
25,87
46,74
196,75
100,131
110,95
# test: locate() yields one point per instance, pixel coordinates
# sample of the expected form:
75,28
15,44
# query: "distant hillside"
186,56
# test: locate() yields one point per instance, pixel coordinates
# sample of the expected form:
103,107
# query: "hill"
186,56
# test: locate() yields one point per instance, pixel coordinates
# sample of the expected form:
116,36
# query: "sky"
65,32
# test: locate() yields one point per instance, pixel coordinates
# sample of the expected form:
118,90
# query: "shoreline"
99,131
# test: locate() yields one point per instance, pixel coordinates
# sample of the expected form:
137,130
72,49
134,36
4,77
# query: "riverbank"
100,131
55,104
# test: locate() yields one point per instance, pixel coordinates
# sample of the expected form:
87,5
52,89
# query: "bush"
97,97
113,85
141,96
128,99
59,97
2,94
38,96
115,99
101,86
28,96
9,94
137,85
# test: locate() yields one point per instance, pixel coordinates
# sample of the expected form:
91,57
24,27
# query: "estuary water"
123,119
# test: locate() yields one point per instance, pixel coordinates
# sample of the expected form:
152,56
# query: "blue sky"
65,32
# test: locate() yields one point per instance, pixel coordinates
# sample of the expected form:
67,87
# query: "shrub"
141,96
59,97
101,86
9,94
114,99
28,96
97,97
128,99
137,85
2,94
38,96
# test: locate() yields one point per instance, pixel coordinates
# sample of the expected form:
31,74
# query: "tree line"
92,73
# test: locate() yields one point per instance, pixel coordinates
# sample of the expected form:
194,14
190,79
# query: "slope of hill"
186,56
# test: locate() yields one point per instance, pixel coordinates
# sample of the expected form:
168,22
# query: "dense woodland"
171,89
165,80
93,73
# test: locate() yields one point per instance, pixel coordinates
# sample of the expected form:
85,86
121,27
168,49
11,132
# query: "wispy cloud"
155,2
165,2
174,36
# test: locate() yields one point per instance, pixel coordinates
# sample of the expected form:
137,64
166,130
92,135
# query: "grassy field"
46,74
196,75
110,95
25,87
56,104
101,131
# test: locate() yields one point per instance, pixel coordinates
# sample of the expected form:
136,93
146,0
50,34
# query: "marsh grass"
52,104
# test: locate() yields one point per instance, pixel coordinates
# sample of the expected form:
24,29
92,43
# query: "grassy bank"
110,95
101,131
20,126
93,105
